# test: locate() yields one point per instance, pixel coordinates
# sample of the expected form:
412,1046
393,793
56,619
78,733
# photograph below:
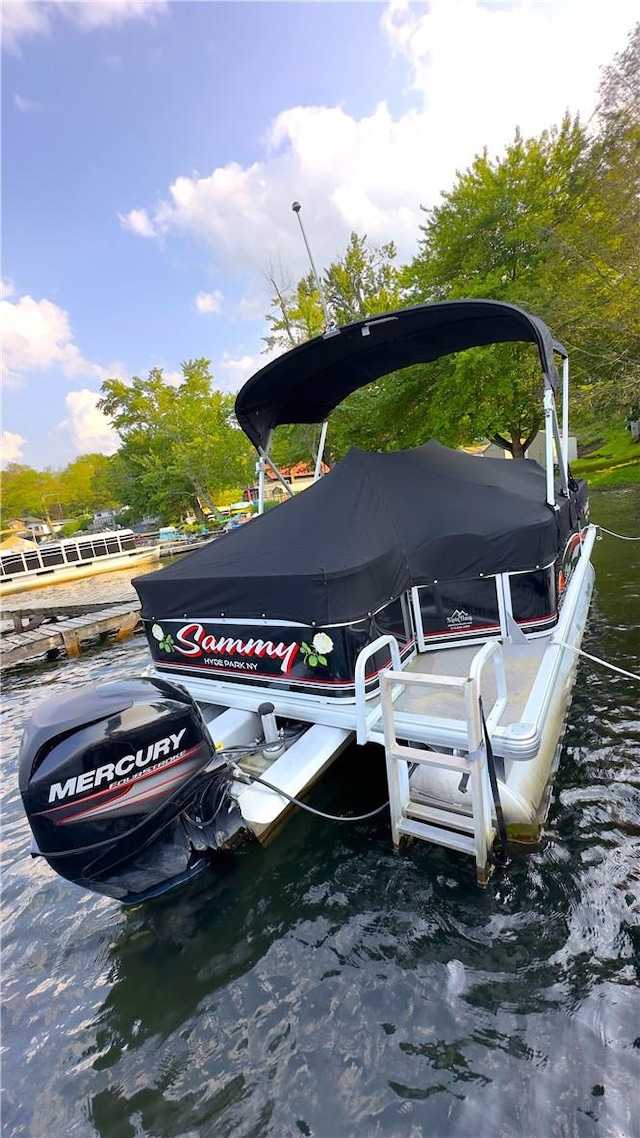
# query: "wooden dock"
47,632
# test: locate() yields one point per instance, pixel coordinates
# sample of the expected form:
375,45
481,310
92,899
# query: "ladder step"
453,821
437,835
422,679
429,758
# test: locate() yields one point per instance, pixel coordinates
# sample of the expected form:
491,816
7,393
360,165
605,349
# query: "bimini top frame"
305,384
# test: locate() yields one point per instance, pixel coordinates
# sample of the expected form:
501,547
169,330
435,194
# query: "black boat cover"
370,529
306,383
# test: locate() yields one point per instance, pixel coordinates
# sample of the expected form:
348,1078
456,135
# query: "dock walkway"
40,632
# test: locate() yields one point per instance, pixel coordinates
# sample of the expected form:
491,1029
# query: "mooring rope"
597,660
622,536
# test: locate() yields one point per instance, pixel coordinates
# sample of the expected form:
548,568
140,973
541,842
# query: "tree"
83,486
619,106
495,235
180,445
363,282
599,249
552,225
28,492
298,315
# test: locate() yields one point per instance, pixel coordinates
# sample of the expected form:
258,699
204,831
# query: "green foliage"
80,488
393,412
598,264
28,492
553,225
363,282
619,105
295,442
76,525
495,235
180,445
298,316
83,485
511,228
614,461
493,232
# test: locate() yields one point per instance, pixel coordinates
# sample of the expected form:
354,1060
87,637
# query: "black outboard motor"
122,788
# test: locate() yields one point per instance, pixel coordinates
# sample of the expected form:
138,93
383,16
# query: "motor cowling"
108,776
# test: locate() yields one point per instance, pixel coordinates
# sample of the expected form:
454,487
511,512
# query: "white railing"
492,650
364,719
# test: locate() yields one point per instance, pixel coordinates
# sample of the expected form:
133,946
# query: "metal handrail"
369,650
493,648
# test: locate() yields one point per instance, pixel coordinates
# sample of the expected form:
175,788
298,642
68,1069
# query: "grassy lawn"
614,461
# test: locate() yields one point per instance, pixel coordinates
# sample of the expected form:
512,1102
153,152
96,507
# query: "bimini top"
370,529
306,383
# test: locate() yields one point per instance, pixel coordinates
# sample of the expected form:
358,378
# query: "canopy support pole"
265,458
323,438
565,412
562,455
260,473
554,445
548,445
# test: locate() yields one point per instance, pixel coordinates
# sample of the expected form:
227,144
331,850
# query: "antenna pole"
296,207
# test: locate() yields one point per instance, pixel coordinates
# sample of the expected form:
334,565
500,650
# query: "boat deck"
521,664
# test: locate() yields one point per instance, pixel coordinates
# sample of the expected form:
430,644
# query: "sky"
151,153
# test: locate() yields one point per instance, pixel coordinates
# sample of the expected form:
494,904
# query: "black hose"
244,777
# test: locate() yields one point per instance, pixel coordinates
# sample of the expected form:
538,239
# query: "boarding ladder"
470,831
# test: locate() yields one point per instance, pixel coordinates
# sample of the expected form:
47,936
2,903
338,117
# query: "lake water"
329,987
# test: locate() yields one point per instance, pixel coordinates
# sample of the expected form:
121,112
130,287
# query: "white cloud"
27,106
476,72
11,446
138,221
482,70
89,429
173,378
37,335
252,305
23,18
230,373
320,155
209,302
26,18
87,14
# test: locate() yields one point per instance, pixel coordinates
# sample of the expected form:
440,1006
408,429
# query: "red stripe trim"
113,793
96,812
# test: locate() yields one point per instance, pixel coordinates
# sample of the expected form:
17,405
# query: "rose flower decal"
317,652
